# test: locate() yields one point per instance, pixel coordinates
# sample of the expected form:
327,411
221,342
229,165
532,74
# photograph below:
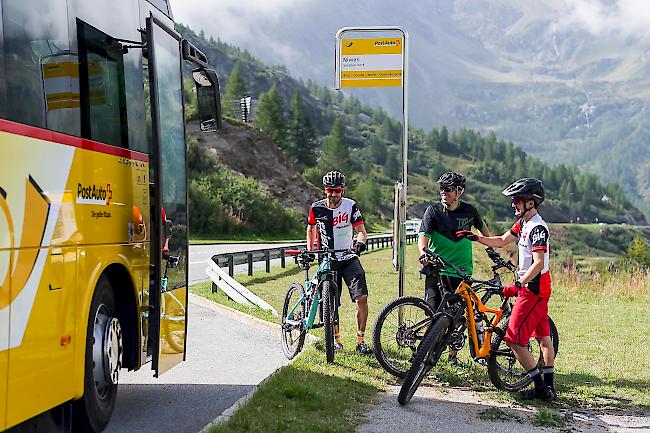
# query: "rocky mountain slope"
247,151
566,80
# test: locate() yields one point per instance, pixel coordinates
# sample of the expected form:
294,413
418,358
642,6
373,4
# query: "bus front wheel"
103,361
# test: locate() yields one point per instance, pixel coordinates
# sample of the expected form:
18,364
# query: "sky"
627,17
239,22
234,21
246,24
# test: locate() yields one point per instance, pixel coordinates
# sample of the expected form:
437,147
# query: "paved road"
200,254
225,360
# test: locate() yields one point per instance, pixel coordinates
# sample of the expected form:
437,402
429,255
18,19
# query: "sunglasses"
516,200
447,188
333,190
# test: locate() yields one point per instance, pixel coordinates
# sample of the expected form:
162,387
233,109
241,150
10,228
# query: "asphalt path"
226,359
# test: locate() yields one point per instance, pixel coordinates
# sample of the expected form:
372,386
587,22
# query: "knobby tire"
328,319
294,293
426,357
500,352
394,363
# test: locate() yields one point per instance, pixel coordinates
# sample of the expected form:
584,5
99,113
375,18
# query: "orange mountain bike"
402,323
461,308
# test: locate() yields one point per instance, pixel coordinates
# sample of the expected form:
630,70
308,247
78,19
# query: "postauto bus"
93,203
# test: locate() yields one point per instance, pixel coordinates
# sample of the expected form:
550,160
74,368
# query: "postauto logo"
387,43
94,194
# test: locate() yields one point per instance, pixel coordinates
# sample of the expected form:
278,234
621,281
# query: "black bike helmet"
451,178
526,188
333,179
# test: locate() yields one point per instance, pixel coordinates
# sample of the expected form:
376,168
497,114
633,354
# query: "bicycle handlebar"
435,257
315,252
499,262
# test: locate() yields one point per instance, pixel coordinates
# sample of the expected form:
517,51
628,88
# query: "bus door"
169,248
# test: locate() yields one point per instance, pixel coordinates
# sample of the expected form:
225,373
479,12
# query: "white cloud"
242,22
625,17
236,19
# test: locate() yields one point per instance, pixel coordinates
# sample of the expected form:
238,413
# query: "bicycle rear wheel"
292,322
395,342
504,370
328,305
173,326
426,357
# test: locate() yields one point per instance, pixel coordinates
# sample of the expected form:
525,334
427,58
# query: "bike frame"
472,299
324,273
471,294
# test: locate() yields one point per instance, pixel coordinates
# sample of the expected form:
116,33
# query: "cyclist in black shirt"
438,230
332,224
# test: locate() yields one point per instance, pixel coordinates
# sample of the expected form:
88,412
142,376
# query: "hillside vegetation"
317,130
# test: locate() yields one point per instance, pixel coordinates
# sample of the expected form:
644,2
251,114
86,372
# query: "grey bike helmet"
527,188
333,179
451,178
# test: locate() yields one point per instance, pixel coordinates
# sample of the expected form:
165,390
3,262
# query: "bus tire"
103,360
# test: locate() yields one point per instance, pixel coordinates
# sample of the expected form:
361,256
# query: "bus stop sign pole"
380,61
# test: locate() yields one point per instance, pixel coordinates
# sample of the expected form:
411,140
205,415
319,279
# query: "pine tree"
433,139
337,152
637,250
270,116
443,140
301,141
392,168
235,89
378,150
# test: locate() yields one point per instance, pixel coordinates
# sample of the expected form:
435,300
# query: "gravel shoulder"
456,410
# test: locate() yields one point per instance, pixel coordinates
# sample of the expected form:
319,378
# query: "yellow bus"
93,203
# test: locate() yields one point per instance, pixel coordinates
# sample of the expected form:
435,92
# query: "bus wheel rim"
107,351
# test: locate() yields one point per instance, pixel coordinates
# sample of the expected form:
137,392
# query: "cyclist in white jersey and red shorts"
529,316
332,224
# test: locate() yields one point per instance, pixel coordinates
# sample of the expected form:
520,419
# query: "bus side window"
101,87
38,94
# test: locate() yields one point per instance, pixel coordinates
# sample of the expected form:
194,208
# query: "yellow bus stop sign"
372,62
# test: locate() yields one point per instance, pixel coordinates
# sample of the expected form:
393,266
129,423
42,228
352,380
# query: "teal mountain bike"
301,304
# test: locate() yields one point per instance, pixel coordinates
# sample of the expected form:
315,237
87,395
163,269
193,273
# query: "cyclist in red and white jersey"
332,224
529,316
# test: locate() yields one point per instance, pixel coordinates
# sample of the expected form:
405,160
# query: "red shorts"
529,318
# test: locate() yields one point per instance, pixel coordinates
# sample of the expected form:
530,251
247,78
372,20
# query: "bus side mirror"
208,98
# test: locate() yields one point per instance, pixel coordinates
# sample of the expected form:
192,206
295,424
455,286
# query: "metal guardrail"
230,260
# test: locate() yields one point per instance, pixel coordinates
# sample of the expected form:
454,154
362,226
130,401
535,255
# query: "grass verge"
307,396
602,362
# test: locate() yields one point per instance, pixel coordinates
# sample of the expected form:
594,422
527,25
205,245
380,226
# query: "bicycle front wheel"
425,358
399,328
328,304
292,322
504,370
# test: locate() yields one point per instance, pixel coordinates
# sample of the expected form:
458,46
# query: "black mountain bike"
463,307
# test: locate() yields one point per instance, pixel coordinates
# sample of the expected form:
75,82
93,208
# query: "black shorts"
354,276
435,287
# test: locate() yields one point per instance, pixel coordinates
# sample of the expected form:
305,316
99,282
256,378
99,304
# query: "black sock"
536,375
548,372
